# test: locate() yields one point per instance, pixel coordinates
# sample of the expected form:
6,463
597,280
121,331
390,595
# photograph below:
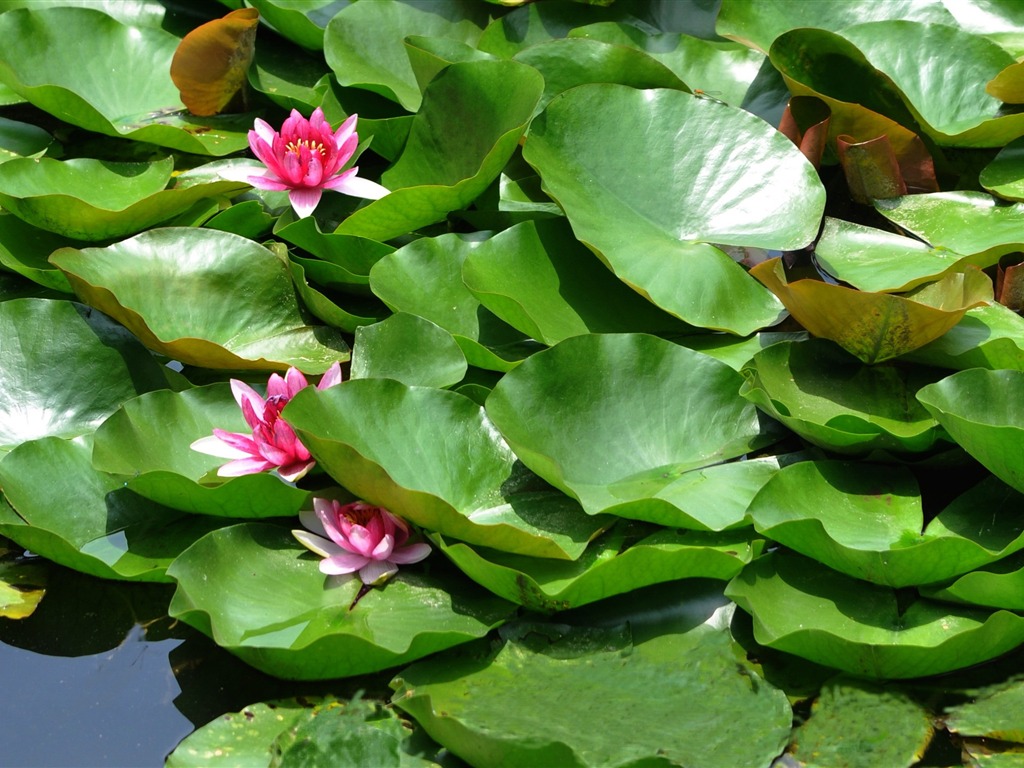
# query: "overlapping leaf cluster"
610,333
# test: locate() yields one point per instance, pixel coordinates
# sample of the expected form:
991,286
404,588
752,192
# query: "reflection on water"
100,676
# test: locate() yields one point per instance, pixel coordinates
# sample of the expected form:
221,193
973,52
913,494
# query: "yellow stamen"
312,146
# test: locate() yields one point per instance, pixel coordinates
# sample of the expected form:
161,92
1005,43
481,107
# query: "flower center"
313,146
360,514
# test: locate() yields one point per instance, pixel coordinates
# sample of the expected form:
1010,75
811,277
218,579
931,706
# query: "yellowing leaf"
209,67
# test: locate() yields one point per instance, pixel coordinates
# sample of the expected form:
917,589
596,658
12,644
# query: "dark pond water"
100,677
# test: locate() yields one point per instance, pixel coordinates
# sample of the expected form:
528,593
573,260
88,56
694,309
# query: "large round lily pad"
258,593
615,418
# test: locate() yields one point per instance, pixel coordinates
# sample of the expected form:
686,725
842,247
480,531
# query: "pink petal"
243,392
360,540
215,446
296,471
411,554
304,201
345,131
345,562
239,442
311,520
331,377
294,381
239,467
377,572
316,544
349,184
268,183
384,548
265,131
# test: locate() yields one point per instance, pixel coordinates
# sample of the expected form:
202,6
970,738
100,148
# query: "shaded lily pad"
538,278
616,562
1004,176
875,260
26,250
147,442
616,418
303,23
122,88
833,400
806,609
998,585
425,278
97,200
301,625
462,480
19,139
64,382
525,701
868,521
22,583
472,118
877,326
656,230
993,713
76,516
234,305
859,725
984,412
408,349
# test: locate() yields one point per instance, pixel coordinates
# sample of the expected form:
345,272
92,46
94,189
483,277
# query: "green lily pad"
472,118
301,22
522,705
657,230
22,583
538,278
993,714
533,24
357,312
84,519
618,561
408,349
233,305
997,585
311,729
147,442
363,43
97,200
122,88
989,336
616,418
833,400
301,625
875,260
867,521
247,218
19,139
1004,176
352,256
877,326
430,55
26,250
811,611
361,433
725,69
984,412
425,278
972,223
66,381
857,724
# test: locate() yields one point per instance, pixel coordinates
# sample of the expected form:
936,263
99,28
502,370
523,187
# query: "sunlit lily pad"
462,480
868,521
972,223
616,418
809,610
452,155
97,200
993,714
425,278
656,229
259,594
122,88
148,440
537,277
356,732
989,336
984,412
363,43
408,349
233,303
619,561
65,381
22,582
525,701
877,326
76,516
875,260
998,585
833,400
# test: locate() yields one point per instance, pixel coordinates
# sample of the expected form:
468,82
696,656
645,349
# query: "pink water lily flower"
272,444
306,158
359,537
